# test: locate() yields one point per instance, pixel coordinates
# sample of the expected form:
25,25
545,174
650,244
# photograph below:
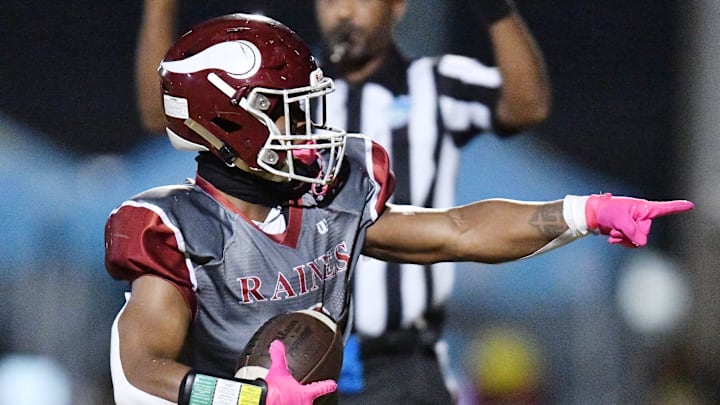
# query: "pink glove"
284,389
627,220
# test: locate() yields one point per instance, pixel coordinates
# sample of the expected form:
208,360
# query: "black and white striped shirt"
422,111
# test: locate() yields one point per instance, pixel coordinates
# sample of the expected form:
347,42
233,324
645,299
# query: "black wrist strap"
200,389
493,10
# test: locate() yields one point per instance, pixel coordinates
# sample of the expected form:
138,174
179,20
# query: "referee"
422,111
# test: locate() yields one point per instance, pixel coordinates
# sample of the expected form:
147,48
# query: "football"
313,347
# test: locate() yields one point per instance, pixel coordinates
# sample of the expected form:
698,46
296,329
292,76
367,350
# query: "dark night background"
67,71
621,108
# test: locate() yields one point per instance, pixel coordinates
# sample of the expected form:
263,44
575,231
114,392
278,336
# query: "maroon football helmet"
227,81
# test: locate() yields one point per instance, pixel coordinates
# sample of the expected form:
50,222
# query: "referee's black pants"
400,375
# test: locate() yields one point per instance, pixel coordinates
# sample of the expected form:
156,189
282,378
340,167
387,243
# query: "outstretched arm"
156,34
489,231
496,230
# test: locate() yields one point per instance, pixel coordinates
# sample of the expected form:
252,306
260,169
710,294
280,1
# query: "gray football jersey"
233,275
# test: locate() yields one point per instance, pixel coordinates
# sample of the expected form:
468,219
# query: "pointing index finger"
662,208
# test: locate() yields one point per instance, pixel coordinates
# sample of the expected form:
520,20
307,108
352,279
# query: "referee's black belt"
398,342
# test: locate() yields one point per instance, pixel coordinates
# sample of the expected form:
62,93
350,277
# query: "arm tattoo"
548,220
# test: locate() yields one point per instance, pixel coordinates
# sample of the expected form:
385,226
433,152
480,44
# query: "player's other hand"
627,220
284,389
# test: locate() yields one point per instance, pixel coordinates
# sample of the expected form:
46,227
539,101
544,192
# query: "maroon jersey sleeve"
382,175
138,242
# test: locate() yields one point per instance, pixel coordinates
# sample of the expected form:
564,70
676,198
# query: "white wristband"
574,214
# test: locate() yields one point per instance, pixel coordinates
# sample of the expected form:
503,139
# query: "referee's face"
357,30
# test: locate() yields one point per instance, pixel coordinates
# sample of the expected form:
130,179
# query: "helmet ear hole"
226,125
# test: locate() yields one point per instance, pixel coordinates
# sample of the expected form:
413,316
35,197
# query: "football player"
280,210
